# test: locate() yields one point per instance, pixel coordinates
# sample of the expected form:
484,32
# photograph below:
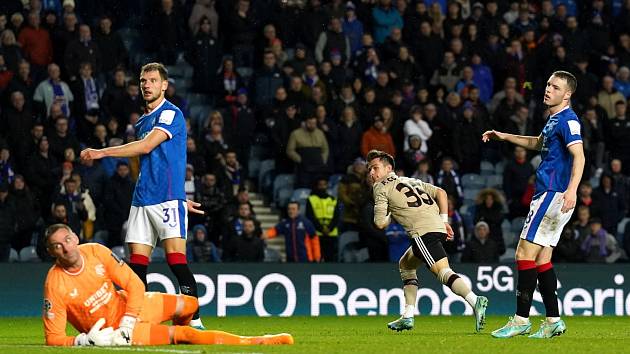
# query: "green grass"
359,335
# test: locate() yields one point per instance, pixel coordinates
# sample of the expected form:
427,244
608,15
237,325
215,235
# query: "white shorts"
150,223
544,222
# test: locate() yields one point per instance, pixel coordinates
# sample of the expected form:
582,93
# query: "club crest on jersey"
74,293
99,269
166,117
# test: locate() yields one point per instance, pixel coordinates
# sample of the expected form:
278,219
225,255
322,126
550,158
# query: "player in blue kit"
557,179
159,209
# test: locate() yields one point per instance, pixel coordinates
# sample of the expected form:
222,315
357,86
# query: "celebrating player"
421,208
80,289
557,179
159,210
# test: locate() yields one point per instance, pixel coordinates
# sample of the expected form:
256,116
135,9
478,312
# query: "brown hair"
568,77
381,155
50,230
159,67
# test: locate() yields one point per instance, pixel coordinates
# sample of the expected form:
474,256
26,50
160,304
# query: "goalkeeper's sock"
189,335
139,264
187,283
547,284
525,287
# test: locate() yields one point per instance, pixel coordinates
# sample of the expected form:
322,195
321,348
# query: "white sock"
471,299
196,322
521,320
553,319
408,311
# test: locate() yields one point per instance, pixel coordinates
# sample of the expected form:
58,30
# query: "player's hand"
122,336
492,135
92,154
450,234
192,207
570,198
97,335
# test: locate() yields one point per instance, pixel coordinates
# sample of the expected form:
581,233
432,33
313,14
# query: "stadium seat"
473,180
272,255
283,197
487,168
158,255
346,238
253,167
354,253
13,256
517,225
508,256
283,182
197,99
300,194
334,180
621,227
198,113
120,251
470,194
29,254
494,181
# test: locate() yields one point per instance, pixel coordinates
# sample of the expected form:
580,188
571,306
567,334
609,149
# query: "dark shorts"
428,247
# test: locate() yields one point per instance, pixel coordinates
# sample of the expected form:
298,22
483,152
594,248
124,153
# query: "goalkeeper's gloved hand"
122,336
97,335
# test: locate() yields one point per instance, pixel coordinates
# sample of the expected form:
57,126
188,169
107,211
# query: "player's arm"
570,195
525,141
55,317
123,276
382,217
135,148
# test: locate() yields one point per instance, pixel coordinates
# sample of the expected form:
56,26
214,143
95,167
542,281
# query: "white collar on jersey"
78,271
156,108
555,114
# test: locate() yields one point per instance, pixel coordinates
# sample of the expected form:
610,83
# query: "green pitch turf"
359,335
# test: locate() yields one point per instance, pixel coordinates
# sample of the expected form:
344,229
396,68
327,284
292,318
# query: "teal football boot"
401,324
548,329
512,329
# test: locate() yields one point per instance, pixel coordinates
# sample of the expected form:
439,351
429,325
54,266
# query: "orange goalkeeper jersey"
83,297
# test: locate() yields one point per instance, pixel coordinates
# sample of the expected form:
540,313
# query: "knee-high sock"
525,287
179,308
185,334
449,278
139,264
187,284
547,284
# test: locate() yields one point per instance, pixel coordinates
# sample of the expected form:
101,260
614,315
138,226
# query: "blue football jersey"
562,130
163,170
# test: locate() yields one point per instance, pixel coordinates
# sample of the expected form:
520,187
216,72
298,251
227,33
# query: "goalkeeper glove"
97,335
122,336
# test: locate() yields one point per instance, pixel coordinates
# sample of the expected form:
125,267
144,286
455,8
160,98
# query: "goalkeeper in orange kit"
79,289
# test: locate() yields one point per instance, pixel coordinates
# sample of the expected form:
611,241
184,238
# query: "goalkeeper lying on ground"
80,289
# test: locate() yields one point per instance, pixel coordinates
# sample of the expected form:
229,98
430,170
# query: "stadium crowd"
308,87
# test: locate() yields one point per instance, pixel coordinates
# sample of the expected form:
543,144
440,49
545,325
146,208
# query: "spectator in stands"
117,202
36,44
416,125
333,40
449,72
63,35
200,10
200,249
234,227
608,204
385,18
83,49
22,81
581,224
61,139
352,195
8,221
600,246
212,202
247,247
194,157
111,46
308,149
266,80
300,237
167,32
324,212
608,96
41,174
214,143
114,94
349,130
228,81
448,179
352,27
422,172
93,179
515,175
481,248
232,176
377,137
10,50
589,83
204,54
18,119
568,249
458,244
489,208
413,155
26,213
132,103
617,134
86,105
622,82
242,127
466,142
593,136
54,90
621,181
73,200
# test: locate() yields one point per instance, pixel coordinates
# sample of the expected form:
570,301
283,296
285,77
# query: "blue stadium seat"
494,181
470,194
334,180
517,225
499,167
473,180
158,255
300,194
265,175
29,254
253,167
508,256
272,255
346,238
487,168
283,181
13,256
621,227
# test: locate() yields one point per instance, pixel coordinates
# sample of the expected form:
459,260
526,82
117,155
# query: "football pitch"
358,335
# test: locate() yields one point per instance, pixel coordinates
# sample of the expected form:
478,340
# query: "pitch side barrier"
264,289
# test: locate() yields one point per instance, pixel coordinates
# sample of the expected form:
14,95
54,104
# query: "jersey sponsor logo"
99,298
99,269
574,127
118,259
74,293
166,117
